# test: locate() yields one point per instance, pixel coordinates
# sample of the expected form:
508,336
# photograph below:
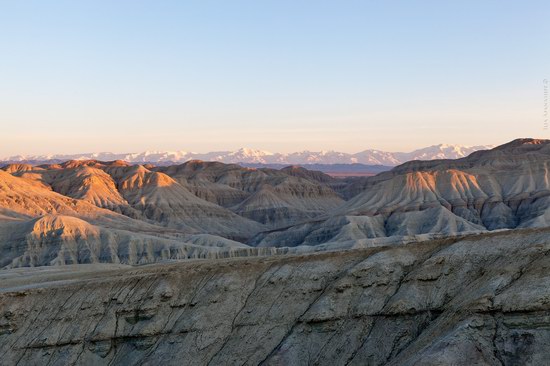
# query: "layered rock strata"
482,299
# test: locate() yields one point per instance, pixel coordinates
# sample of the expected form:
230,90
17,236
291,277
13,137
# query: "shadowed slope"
161,199
272,197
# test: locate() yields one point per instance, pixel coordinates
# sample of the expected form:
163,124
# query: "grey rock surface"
477,300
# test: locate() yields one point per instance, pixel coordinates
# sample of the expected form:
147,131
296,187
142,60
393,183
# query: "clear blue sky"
80,76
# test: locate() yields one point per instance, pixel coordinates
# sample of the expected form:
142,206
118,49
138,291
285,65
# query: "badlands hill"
503,188
381,290
113,212
88,211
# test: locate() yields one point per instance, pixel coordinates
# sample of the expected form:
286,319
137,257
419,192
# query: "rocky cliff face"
482,299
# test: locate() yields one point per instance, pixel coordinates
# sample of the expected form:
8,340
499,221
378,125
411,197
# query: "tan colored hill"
53,240
21,198
269,196
162,199
39,226
142,194
500,188
89,184
503,188
102,212
20,168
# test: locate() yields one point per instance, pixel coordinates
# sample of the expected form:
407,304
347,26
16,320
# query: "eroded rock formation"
482,299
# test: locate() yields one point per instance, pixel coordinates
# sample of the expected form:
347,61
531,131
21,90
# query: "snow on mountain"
441,151
252,156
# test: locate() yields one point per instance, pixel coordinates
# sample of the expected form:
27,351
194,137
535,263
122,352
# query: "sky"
283,76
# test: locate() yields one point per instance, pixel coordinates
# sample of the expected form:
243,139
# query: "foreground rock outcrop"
480,299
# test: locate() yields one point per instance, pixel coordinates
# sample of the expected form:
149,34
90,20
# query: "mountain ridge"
254,156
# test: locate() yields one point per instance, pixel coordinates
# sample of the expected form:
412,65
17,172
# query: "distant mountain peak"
255,156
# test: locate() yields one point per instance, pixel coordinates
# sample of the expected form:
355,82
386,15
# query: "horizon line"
150,152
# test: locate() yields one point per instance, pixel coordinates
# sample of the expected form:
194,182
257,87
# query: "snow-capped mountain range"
251,156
